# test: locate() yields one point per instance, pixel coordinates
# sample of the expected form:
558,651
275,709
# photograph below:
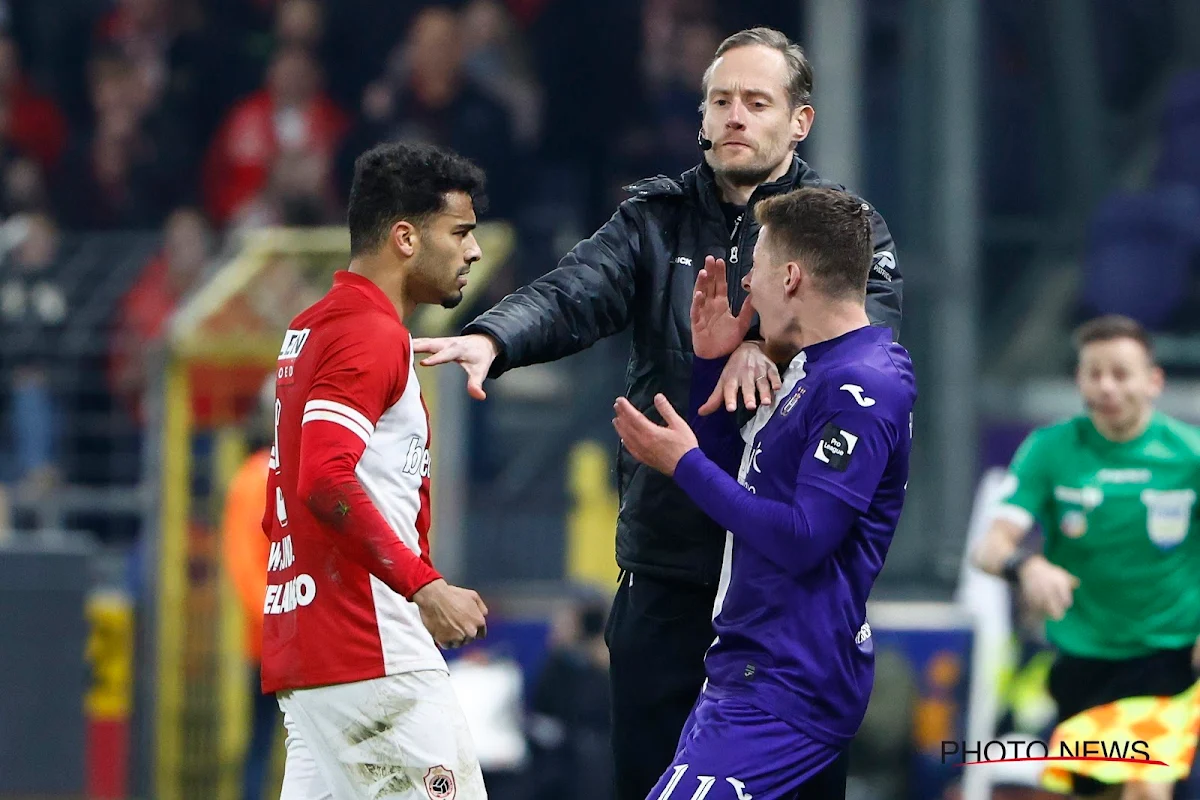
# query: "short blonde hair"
826,229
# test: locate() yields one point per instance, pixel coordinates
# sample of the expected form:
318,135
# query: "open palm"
716,332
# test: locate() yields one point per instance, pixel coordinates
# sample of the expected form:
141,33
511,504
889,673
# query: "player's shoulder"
340,326
881,379
345,312
1063,437
1183,434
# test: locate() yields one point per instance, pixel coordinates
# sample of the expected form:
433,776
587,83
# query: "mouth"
462,276
735,144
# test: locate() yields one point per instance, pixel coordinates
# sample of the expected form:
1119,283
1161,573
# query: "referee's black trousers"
658,632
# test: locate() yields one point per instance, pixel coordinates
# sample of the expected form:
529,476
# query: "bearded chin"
452,301
751,175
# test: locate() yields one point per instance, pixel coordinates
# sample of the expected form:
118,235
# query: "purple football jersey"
823,472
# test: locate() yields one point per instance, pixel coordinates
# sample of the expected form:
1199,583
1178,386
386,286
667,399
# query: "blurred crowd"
200,119
113,113
189,120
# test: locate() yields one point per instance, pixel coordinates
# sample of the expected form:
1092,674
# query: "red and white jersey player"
355,611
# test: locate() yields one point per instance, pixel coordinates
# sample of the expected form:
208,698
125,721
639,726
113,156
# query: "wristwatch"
1012,565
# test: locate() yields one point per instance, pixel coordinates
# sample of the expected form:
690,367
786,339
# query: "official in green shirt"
1114,492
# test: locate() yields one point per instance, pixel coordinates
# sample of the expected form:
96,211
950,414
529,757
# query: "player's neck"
389,280
831,320
1125,433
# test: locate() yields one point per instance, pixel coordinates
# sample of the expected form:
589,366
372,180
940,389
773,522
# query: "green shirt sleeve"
1029,490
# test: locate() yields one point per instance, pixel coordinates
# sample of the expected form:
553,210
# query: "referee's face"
1119,383
747,115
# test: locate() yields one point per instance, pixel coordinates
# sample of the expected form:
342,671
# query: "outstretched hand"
474,353
656,446
716,332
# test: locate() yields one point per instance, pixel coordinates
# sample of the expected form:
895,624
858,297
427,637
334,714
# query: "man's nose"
746,281
737,112
474,251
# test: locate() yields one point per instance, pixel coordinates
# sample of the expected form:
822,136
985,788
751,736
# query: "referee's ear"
1158,381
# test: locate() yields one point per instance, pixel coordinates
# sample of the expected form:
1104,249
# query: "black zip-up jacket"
640,269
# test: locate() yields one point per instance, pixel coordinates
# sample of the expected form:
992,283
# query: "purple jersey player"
821,477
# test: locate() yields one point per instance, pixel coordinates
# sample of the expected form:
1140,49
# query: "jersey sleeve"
1027,492
355,382
850,442
844,449
718,433
797,535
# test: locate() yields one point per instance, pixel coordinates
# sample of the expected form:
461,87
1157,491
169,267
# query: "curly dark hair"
405,180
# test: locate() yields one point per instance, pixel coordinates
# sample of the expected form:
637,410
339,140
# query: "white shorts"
402,736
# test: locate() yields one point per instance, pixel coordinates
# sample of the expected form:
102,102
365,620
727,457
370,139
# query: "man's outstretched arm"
587,297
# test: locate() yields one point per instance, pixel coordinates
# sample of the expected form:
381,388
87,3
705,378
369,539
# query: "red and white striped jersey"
348,498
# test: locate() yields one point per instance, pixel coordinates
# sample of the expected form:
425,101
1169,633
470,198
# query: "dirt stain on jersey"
331,569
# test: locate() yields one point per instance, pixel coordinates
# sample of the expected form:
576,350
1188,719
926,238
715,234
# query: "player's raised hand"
749,371
656,446
453,616
1049,587
716,332
474,353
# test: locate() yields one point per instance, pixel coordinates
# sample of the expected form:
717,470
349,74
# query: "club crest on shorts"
439,782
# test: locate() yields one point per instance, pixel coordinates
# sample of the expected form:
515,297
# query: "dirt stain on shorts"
383,780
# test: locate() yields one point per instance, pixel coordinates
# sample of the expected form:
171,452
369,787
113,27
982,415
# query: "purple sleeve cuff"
689,472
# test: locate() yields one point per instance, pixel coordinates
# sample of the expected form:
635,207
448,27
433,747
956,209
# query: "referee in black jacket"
640,269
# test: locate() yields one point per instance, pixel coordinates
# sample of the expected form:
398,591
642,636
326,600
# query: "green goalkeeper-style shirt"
1119,516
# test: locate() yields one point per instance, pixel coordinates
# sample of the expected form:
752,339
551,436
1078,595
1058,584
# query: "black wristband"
1012,565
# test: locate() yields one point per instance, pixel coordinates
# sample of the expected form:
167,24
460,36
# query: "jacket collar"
703,181
706,181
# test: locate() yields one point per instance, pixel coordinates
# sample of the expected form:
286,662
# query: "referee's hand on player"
717,333
474,353
454,616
